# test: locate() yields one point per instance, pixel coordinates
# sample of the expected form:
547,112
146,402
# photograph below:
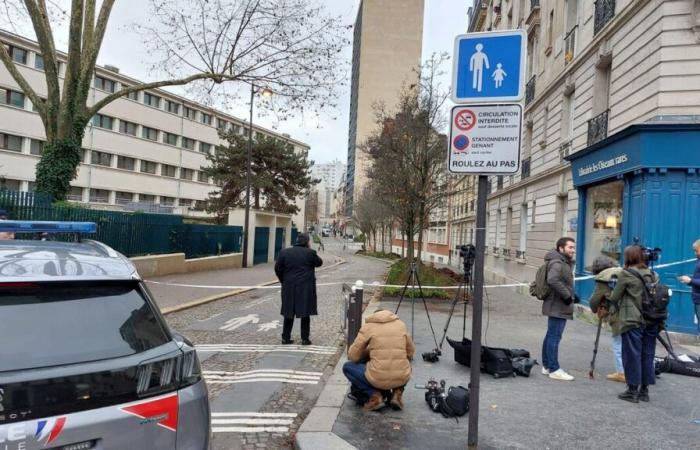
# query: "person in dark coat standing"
558,306
295,269
694,282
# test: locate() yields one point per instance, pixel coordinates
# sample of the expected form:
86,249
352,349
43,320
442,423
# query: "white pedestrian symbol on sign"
269,326
498,75
478,61
238,322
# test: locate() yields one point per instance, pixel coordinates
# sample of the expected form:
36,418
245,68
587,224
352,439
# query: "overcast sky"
443,20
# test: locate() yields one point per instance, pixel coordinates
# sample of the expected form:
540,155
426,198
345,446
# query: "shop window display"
603,222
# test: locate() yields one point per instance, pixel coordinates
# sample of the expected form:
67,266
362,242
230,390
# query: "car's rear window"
49,324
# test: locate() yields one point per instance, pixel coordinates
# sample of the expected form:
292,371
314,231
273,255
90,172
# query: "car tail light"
154,377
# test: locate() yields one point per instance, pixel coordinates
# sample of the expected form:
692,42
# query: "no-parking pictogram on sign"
465,119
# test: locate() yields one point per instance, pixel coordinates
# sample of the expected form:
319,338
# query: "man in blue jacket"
694,282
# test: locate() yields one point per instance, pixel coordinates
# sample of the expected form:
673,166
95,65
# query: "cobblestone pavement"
260,391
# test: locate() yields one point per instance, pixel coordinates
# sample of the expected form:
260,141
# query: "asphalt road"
261,391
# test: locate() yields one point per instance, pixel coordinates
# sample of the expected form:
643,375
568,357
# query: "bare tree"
291,46
408,153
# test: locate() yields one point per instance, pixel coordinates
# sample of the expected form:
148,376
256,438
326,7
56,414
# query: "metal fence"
130,233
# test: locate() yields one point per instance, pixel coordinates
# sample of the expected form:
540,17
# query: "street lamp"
267,93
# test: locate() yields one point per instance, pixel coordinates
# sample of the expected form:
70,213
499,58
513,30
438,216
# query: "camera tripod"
413,279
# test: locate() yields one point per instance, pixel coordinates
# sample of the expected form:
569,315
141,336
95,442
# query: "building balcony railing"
530,90
520,254
604,12
525,168
570,45
495,251
598,128
506,252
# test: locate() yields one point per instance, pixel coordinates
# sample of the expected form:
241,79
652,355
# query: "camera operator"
694,282
638,335
380,359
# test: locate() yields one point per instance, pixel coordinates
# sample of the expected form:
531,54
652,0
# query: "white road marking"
210,317
298,372
234,348
238,322
252,422
251,414
256,302
269,326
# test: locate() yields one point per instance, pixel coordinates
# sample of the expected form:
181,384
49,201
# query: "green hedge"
428,275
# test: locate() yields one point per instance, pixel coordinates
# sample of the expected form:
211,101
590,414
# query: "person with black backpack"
633,304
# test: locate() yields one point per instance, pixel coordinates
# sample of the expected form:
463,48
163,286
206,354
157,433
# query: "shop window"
603,222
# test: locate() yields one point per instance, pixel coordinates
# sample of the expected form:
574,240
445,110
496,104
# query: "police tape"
377,284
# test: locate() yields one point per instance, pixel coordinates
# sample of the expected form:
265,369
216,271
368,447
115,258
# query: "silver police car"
86,359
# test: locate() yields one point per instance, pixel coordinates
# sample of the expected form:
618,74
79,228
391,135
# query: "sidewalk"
515,413
172,298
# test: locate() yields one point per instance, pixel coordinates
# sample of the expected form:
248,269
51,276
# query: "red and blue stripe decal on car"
49,429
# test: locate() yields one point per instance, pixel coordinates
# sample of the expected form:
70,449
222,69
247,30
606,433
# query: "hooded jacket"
384,342
602,293
560,278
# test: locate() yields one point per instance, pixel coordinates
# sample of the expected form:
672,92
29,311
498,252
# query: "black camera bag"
463,351
457,400
670,365
497,362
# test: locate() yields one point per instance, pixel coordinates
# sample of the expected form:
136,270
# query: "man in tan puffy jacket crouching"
380,360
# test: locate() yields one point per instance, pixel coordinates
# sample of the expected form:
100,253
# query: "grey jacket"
560,278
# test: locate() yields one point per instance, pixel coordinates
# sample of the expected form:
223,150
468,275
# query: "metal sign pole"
473,436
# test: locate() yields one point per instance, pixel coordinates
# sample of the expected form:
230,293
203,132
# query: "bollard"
355,311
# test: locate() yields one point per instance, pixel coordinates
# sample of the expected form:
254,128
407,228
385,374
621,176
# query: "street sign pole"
477,302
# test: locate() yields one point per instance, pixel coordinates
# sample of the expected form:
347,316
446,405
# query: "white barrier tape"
377,284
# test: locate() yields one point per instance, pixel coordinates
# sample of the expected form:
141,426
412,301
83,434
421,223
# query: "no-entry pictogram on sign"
465,119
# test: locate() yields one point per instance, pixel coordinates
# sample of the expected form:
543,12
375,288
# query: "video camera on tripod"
464,290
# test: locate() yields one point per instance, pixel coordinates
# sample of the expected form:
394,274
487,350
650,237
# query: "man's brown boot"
375,402
396,399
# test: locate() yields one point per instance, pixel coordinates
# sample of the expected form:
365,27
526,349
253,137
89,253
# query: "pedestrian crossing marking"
251,422
263,375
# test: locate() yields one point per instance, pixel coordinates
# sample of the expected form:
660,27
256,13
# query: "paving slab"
320,441
321,418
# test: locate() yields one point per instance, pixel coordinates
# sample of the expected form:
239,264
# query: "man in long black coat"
295,269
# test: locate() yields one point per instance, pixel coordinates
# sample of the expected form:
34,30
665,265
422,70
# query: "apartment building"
331,175
145,151
388,41
612,109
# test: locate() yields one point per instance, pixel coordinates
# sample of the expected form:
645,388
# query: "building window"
204,147
167,201
237,129
170,138
149,133
190,113
99,196
75,194
131,95
146,198
188,143
123,198
202,177
101,158
172,107
18,54
167,170
102,121
126,163
222,124
148,166
10,185
127,127
10,142
151,100
205,118
12,98
186,202
186,174
603,222
36,147
104,84
38,62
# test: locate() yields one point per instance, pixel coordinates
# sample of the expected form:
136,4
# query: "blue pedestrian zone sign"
489,67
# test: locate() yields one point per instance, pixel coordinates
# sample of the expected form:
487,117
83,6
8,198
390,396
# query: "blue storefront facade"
641,184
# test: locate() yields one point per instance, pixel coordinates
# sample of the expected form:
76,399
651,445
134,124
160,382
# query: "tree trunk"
420,244
374,240
403,247
383,227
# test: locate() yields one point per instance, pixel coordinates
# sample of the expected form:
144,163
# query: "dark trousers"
550,346
638,346
289,323
355,373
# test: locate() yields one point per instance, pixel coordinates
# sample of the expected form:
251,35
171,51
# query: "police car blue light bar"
36,226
